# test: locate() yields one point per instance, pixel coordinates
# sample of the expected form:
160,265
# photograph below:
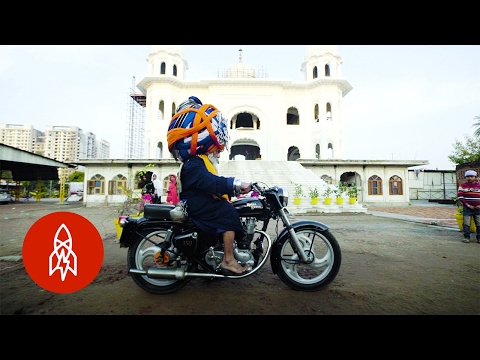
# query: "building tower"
135,127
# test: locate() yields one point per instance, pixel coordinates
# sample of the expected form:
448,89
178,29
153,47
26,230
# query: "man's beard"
214,160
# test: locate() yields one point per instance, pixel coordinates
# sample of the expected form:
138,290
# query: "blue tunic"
198,187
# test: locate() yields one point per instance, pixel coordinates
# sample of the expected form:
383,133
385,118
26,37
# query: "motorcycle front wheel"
141,255
323,265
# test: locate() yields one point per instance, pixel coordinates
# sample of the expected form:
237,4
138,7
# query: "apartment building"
62,143
22,137
103,149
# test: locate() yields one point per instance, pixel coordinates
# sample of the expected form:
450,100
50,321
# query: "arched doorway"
293,153
245,147
353,178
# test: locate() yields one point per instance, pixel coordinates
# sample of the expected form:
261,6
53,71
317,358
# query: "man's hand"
245,188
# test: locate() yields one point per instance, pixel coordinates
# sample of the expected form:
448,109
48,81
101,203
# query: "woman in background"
148,189
172,195
157,198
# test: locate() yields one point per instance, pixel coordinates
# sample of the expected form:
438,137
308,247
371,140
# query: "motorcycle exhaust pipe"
176,274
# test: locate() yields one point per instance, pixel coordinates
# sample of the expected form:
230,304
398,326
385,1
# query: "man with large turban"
197,135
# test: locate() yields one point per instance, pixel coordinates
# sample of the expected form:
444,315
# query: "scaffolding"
135,128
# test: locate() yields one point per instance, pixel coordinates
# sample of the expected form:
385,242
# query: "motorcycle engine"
215,257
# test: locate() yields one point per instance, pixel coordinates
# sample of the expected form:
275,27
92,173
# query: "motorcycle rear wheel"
325,254
141,256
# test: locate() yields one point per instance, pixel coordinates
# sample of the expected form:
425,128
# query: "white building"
271,119
273,122
103,149
19,136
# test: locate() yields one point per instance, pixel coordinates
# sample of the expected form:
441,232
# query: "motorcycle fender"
131,230
279,240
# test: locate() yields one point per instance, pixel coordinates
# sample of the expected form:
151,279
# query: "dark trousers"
467,215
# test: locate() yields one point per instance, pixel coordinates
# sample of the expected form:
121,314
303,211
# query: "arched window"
244,120
293,153
159,150
317,151
316,113
174,70
118,185
330,151
375,185
162,68
327,179
161,109
96,185
395,185
327,70
329,111
292,116
315,72
173,109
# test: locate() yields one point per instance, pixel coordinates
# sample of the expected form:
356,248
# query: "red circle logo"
62,252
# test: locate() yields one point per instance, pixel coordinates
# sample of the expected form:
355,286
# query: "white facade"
286,120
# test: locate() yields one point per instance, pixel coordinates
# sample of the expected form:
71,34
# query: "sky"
408,102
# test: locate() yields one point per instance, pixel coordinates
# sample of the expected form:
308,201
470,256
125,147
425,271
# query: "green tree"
477,125
464,153
77,176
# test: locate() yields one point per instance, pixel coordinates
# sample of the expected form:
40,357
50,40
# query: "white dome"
173,49
240,70
319,50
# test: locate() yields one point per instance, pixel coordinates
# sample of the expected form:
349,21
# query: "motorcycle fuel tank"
248,206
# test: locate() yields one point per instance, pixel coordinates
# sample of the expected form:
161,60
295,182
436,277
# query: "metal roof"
27,166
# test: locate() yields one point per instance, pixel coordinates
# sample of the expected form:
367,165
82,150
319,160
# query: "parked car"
6,198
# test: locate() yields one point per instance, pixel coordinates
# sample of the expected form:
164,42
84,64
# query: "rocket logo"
62,257
63,252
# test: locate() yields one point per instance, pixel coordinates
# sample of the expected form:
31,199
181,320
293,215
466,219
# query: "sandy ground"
389,266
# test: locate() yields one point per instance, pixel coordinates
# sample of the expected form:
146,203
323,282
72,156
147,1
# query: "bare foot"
234,267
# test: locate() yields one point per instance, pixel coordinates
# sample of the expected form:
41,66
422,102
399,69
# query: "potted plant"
298,193
327,195
352,192
340,191
459,217
313,193
339,195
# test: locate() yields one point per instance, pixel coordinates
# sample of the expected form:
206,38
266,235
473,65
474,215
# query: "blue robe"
212,214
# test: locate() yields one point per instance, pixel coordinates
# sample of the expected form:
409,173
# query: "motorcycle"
166,250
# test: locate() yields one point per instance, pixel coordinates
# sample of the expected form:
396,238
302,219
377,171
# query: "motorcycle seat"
157,211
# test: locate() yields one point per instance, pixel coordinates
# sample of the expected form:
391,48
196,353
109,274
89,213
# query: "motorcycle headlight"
283,195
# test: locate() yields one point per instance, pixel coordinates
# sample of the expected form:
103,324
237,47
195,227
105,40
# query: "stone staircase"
282,174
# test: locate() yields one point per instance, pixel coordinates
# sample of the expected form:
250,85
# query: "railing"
432,194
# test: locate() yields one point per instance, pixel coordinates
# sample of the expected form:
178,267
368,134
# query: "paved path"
420,211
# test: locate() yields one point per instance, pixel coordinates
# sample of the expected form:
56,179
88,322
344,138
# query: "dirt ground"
389,266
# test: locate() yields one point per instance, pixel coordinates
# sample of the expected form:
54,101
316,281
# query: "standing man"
469,195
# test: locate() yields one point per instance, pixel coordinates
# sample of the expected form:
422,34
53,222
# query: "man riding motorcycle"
197,135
